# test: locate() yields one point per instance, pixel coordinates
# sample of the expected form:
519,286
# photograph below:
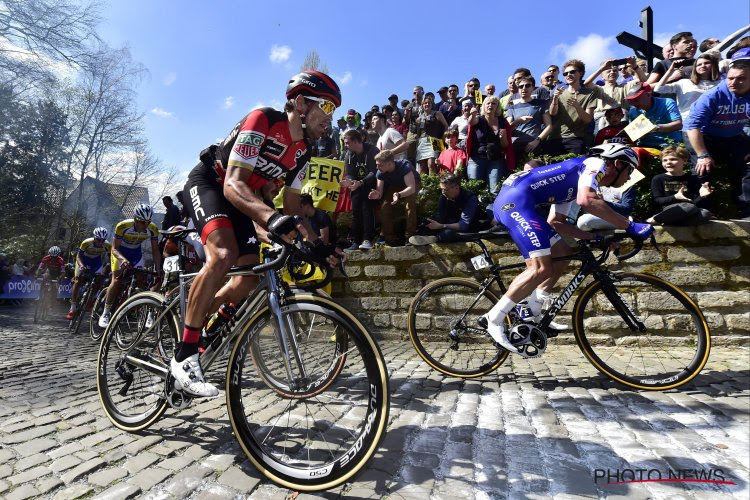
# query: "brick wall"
711,262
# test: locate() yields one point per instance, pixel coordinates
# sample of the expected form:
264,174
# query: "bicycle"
615,322
132,277
86,298
46,298
306,384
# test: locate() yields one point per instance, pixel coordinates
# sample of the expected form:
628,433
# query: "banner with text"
23,287
322,182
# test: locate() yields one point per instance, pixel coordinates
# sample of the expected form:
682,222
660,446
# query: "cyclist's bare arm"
594,204
239,194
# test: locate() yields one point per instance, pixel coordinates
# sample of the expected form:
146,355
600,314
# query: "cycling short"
133,255
209,210
531,233
95,265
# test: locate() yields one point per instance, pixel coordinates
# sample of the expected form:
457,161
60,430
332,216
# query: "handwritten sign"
322,182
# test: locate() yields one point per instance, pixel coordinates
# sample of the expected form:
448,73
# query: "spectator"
457,212
393,101
661,111
489,89
486,140
319,221
430,126
451,108
614,93
359,178
461,122
614,124
529,119
452,159
4,270
337,139
443,94
325,145
397,181
398,124
510,89
404,105
389,138
536,92
184,217
708,44
473,91
548,82
705,76
715,125
683,49
411,113
679,198
20,268
572,110
352,120
172,217
621,202
369,133
554,70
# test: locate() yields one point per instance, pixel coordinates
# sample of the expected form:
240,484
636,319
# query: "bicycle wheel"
95,330
39,307
83,298
443,326
318,342
668,344
131,381
318,441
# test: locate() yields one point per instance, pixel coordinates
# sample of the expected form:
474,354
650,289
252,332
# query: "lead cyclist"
559,184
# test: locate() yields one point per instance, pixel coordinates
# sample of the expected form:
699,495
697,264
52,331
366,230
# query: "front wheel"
95,330
309,439
131,378
444,327
641,331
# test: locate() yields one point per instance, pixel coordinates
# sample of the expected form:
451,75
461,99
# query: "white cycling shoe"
188,377
104,319
497,332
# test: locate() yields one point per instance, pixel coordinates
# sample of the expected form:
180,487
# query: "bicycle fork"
286,334
622,308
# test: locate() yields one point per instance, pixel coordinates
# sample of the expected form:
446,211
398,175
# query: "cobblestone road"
544,428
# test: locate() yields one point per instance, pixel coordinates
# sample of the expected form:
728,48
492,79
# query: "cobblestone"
534,429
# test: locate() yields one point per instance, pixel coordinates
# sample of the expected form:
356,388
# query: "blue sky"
211,62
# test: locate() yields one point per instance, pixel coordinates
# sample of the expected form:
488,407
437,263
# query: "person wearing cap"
715,125
661,111
393,101
443,93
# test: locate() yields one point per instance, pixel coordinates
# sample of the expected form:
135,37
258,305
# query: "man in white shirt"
389,138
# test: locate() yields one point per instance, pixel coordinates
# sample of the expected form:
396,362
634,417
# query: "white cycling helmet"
101,233
143,212
612,151
54,251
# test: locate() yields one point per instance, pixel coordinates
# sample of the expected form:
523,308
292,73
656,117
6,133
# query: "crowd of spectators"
697,103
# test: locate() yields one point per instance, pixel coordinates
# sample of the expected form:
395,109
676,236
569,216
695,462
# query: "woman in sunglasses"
225,203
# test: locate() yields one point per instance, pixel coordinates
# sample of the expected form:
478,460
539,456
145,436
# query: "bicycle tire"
353,409
81,303
678,340
144,402
436,313
95,331
325,370
38,308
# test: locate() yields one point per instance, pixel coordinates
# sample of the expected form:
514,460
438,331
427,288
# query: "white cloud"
162,113
273,103
592,49
280,53
58,68
169,79
345,78
229,102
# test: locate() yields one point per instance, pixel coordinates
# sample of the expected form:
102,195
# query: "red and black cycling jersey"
49,262
262,143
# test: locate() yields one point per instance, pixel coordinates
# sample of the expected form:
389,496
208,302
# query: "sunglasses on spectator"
525,86
471,85
571,72
324,104
452,90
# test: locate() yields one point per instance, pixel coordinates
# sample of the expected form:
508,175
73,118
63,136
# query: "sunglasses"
471,85
525,86
571,72
142,220
324,104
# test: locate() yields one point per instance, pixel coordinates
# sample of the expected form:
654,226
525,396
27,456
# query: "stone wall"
711,262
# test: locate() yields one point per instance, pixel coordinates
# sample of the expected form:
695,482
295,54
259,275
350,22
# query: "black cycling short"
209,210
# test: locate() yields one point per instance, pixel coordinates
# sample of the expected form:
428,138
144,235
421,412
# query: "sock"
189,344
498,312
536,301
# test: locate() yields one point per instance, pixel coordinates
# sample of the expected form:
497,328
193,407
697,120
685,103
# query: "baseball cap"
442,89
636,91
741,55
351,112
392,96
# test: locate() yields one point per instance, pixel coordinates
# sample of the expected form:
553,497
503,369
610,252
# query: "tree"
312,61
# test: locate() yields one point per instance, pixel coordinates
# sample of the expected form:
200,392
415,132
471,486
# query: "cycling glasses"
142,220
324,104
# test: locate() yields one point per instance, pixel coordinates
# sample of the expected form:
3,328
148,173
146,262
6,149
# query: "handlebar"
617,236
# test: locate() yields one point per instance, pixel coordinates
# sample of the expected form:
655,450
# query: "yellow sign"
639,127
437,144
322,182
478,97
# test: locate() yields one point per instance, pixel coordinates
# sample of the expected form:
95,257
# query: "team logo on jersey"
246,151
551,199
251,138
508,206
599,177
274,148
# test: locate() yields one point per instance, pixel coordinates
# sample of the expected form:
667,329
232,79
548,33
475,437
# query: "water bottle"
217,320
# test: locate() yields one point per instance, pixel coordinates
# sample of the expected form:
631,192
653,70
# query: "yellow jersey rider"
126,251
92,255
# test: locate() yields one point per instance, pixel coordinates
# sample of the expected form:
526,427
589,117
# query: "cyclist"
224,203
91,256
559,184
126,252
52,265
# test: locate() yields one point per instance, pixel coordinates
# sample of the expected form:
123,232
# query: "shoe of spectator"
352,247
422,240
381,243
366,245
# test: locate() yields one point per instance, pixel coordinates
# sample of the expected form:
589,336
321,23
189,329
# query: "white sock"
500,310
537,300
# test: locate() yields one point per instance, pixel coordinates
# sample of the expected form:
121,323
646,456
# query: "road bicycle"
47,297
635,328
306,383
134,279
87,295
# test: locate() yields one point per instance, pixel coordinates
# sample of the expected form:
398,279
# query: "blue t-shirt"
395,178
719,112
662,111
535,108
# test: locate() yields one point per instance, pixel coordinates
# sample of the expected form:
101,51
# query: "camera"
619,62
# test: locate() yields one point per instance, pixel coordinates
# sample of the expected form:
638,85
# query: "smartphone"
619,62
682,62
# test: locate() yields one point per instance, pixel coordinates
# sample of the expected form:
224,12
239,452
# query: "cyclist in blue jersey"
559,185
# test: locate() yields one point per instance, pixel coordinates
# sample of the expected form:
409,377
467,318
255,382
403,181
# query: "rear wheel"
641,331
444,327
95,330
131,378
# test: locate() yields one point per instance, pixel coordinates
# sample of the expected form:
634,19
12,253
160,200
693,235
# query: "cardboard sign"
322,181
639,127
